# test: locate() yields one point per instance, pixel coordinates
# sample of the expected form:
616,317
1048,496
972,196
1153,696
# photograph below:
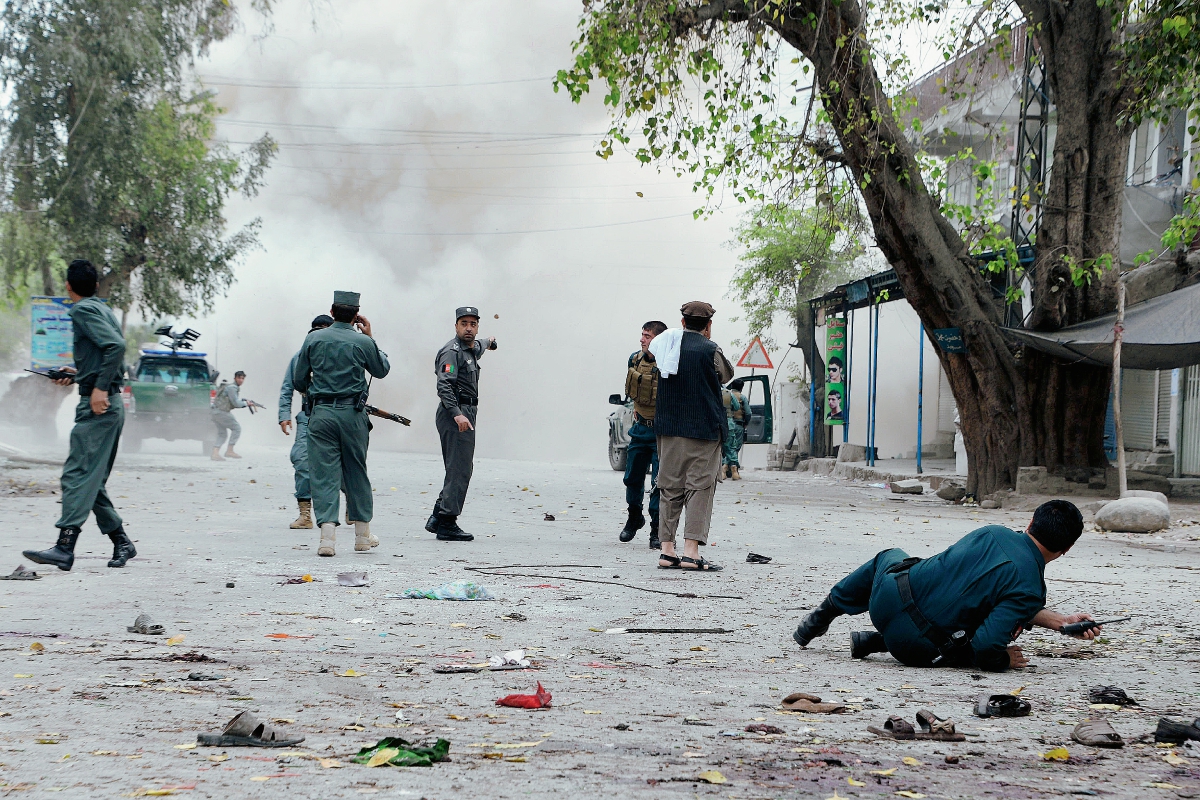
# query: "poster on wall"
52,337
835,365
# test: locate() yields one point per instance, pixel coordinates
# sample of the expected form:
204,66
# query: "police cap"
346,298
321,321
698,308
466,311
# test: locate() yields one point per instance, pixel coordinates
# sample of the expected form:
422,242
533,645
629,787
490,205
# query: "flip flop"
1110,695
145,626
895,728
800,701
937,729
1002,705
702,565
21,574
672,561
1097,733
245,730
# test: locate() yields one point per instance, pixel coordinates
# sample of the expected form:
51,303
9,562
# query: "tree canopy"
108,151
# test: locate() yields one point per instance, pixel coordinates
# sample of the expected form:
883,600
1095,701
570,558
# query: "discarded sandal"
932,723
899,728
1172,732
245,730
672,562
21,574
1097,733
701,565
799,701
755,558
145,626
1002,705
933,729
1110,695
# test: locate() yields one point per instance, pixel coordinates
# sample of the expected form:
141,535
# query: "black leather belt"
943,642
114,389
468,401
350,399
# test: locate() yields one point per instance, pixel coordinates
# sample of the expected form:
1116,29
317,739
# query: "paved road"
104,713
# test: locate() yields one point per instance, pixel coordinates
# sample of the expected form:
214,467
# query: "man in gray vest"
689,421
99,416
457,365
224,403
330,370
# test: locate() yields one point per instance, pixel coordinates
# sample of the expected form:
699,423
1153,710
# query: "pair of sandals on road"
700,564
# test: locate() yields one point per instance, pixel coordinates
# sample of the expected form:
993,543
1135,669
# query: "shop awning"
1160,333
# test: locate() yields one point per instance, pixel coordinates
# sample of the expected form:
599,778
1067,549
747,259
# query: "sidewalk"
933,470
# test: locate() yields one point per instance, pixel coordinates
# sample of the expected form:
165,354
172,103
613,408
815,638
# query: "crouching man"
961,607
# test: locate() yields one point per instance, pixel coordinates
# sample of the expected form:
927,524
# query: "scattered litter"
755,558
1110,695
711,776
245,730
540,699
760,728
288,636
21,574
289,579
1097,733
549,518
513,617
799,701
696,721
1002,705
145,626
451,669
229,584
352,579
200,676
350,673
668,630
458,590
396,752
513,658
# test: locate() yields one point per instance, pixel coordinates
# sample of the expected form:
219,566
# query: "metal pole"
874,382
870,382
920,390
812,389
849,374
1118,332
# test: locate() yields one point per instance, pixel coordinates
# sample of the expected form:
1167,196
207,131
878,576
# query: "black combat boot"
62,555
632,525
655,544
123,549
817,622
431,524
864,643
448,530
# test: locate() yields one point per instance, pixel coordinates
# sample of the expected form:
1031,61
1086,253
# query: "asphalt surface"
101,712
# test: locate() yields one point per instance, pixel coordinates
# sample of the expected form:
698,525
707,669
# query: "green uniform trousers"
94,442
337,461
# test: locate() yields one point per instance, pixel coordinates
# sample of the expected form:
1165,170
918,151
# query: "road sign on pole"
756,356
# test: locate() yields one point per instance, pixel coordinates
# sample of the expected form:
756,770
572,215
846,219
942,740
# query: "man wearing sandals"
963,606
689,421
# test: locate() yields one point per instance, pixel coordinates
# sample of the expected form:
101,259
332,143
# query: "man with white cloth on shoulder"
689,421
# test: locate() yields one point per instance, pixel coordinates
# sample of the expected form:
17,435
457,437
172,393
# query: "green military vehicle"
168,393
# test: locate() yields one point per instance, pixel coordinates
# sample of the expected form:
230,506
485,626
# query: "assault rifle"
378,412
252,404
54,374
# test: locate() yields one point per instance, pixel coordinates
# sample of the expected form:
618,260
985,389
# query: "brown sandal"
799,701
1097,733
245,730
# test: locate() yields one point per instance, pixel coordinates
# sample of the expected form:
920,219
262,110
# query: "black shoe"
864,643
1172,732
633,524
448,531
431,524
62,555
123,549
816,623
655,544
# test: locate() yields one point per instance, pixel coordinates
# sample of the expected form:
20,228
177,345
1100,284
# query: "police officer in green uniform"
641,386
457,365
330,372
99,416
299,453
963,606
737,418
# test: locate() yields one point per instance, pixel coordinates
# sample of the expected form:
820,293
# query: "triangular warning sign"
756,356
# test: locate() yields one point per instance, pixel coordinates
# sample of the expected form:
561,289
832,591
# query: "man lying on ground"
961,607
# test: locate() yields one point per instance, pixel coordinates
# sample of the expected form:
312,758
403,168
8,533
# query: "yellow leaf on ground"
330,763
1161,785
1105,706
188,746
1057,754
159,792
1019,689
454,716
492,755
174,640
711,776
105,753
853,782
911,795
37,647
910,761
350,674
306,578
218,759
458,625
1174,760
383,756
517,759
261,778
699,649
593,712
884,772
23,675
836,796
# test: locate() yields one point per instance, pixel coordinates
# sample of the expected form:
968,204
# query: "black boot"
864,643
431,524
62,555
123,549
632,525
816,623
448,530
655,544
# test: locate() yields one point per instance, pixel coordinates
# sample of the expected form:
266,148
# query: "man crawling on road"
961,607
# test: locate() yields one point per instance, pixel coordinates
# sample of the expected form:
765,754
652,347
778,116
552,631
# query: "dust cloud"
426,162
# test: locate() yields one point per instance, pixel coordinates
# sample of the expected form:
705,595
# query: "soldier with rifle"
227,399
330,371
99,350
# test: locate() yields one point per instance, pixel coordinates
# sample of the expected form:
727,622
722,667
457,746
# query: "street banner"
53,339
835,364
756,356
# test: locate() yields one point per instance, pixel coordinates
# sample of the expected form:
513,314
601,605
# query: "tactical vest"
734,410
222,401
641,385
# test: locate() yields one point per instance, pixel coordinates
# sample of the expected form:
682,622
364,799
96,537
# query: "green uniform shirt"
99,346
990,583
331,362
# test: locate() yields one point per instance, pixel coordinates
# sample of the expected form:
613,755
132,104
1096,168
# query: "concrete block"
1031,480
852,452
952,490
1147,481
912,486
989,504
1133,515
1185,487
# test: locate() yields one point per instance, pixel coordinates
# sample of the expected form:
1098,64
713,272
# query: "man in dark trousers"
299,453
962,607
99,351
641,386
457,365
689,421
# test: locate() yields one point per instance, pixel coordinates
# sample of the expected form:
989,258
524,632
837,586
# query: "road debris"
458,590
540,699
396,752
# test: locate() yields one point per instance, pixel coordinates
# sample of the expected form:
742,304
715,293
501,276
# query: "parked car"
760,430
168,395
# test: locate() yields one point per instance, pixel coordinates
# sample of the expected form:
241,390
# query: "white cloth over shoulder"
665,349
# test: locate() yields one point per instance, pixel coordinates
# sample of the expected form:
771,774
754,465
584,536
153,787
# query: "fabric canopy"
1160,333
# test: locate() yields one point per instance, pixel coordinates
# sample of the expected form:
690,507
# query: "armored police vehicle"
168,393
